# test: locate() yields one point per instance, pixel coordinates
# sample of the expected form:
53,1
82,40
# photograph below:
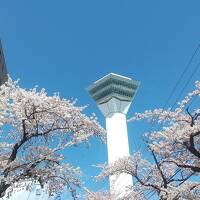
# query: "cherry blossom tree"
35,128
172,171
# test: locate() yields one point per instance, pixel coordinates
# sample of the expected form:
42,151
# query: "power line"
179,80
192,101
182,74
151,194
188,81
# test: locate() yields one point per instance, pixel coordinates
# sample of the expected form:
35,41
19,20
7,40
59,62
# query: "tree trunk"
3,188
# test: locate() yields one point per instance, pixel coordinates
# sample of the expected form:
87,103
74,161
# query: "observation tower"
113,94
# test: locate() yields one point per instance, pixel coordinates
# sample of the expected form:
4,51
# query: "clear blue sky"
66,45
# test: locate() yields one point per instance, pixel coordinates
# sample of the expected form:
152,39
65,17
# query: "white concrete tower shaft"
113,94
118,147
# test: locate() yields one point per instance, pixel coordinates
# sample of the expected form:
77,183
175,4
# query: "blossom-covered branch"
35,128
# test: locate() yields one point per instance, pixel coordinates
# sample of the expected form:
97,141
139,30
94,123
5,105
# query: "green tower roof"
113,86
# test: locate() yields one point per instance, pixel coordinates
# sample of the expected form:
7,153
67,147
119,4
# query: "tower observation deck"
113,94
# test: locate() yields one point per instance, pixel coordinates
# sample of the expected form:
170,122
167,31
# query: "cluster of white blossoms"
172,169
34,129
107,196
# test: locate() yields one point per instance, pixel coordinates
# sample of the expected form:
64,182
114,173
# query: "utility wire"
188,81
151,194
182,75
178,82
192,101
